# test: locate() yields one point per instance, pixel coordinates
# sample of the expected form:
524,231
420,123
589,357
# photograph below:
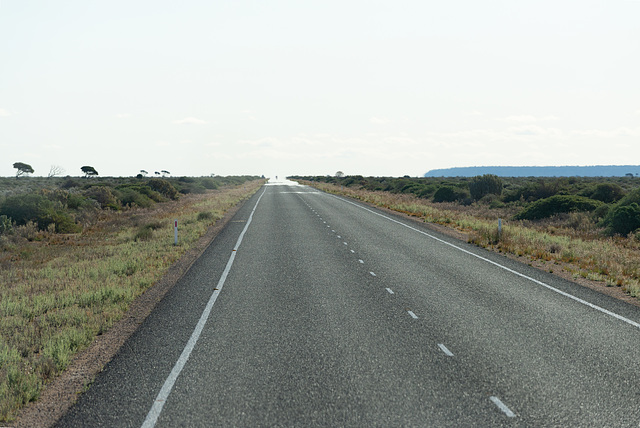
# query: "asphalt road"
314,310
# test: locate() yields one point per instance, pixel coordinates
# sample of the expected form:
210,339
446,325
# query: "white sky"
312,87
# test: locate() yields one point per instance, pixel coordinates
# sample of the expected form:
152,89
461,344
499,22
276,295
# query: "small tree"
89,171
55,171
143,172
339,174
165,173
22,168
482,185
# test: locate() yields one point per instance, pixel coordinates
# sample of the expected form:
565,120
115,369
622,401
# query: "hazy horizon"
280,88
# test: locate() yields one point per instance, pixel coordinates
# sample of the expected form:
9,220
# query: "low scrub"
545,208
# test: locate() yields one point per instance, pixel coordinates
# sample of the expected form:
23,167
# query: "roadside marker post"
175,232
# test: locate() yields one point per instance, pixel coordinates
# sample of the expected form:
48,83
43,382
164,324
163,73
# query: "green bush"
449,194
540,189
104,196
209,183
30,207
557,204
607,192
482,185
76,201
131,197
205,216
163,187
64,222
40,210
624,219
6,225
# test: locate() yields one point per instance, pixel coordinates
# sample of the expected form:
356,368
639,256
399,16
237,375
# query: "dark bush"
541,189
209,183
482,185
557,204
64,223
163,187
607,192
6,225
104,196
129,196
29,207
76,201
40,210
196,188
449,194
205,216
624,219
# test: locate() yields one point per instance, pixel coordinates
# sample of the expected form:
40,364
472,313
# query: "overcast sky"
307,87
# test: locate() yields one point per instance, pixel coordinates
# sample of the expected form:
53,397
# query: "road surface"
314,310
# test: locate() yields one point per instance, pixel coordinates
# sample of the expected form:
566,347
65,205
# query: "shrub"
449,194
557,204
103,195
6,225
209,183
163,187
196,188
541,189
205,216
624,219
76,201
130,197
24,208
607,192
487,184
64,222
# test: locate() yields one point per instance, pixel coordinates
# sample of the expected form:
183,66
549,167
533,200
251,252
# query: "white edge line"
502,406
570,296
445,350
158,404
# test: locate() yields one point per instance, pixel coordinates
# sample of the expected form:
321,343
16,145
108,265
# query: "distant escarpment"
539,171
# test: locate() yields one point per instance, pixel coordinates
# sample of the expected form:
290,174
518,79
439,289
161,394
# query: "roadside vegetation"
589,227
75,252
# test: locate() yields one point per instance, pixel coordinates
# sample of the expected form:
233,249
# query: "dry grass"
57,292
572,241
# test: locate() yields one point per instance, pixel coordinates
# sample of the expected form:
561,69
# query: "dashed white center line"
338,236
361,261
373,274
390,291
445,350
353,251
414,316
502,407
345,243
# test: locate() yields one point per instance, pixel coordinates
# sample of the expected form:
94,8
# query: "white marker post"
499,227
175,232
